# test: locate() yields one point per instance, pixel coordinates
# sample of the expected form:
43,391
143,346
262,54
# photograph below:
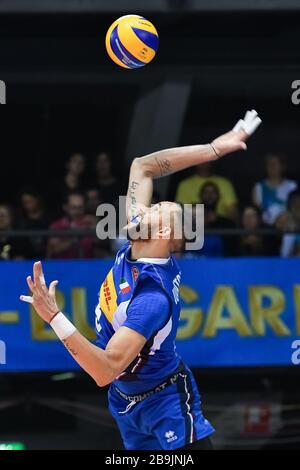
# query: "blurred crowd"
274,203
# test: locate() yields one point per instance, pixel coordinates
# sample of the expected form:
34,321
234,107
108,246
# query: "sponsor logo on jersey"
175,290
170,436
135,273
108,297
107,294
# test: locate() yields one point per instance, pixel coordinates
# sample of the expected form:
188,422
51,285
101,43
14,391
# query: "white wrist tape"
62,326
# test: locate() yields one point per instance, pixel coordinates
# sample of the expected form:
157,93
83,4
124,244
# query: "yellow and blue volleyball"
132,41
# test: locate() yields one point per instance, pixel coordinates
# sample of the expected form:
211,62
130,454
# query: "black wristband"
214,149
54,316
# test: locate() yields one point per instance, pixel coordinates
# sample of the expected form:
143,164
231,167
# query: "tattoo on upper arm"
72,351
164,166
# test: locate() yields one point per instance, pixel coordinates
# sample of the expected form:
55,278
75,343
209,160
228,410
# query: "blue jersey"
142,295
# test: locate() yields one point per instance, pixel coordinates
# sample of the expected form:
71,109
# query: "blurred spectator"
101,248
11,248
105,181
254,244
290,220
251,245
271,194
74,178
214,245
188,191
34,217
75,218
93,200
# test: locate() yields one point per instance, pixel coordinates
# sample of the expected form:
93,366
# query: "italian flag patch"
124,286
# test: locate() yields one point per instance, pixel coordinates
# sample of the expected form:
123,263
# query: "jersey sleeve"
149,309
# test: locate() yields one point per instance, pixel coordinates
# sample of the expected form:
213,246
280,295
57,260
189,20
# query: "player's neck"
146,249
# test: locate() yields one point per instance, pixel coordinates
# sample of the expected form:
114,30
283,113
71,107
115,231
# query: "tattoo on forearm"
164,166
132,188
72,351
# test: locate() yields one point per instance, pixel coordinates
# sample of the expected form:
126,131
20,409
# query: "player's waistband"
142,396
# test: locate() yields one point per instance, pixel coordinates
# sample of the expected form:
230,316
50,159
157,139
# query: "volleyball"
132,41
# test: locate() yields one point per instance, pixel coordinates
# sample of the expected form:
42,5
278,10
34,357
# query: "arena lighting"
12,446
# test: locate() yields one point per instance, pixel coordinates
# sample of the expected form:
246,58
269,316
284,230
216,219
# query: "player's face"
162,218
161,221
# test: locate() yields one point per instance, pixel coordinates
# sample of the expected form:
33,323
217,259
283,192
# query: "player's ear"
164,232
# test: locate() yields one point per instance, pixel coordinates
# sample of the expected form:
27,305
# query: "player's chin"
178,245
134,232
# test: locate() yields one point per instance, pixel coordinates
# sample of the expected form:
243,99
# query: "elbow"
141,165
136,165
103,381
111,368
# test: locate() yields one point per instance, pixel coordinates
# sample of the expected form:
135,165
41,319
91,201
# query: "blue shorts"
167,420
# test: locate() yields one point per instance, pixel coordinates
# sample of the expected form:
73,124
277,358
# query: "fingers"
249,124
251,127
39,278
38,285
238,126
26,298
30,283
52,288
250,115
42,279
38,275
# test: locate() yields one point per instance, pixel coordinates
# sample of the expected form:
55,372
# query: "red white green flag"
124,286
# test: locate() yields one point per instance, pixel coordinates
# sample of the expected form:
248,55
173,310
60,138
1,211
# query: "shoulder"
150,278
160,274
149,298
149,309
148,285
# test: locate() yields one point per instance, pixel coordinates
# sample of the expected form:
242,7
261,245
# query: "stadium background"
216,59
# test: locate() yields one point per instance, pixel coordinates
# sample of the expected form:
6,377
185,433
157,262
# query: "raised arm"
102,365
156,165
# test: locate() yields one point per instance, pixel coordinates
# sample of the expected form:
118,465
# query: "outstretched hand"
235,139
42,299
